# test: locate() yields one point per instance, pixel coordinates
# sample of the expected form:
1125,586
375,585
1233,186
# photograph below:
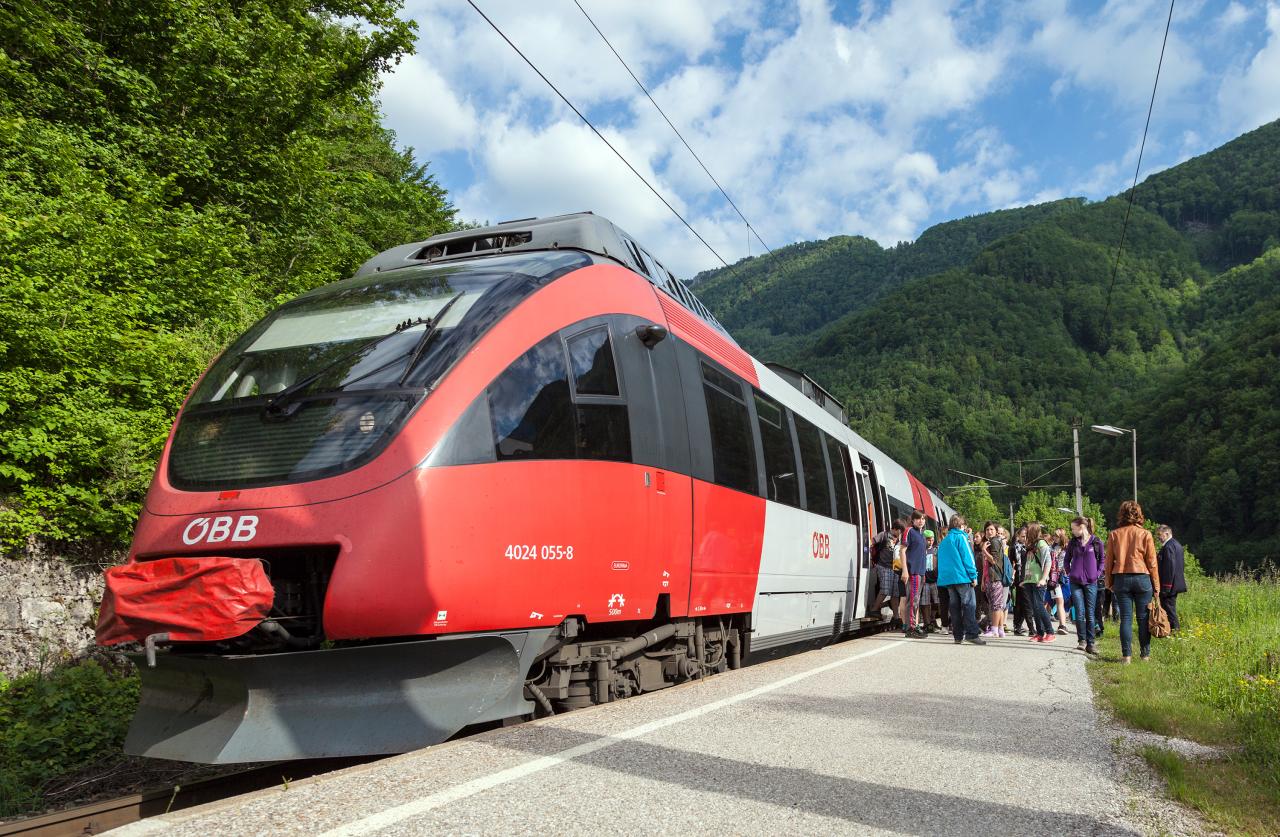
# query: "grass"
1217,683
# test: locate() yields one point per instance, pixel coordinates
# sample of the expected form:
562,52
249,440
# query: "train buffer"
875,735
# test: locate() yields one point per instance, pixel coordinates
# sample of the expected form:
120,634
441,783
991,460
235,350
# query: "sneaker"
989,632
1062,629
1034,638
1049,638
1146,657
1080,645
977,640
1000,632
958,641
1126,660
1091,651
1019,632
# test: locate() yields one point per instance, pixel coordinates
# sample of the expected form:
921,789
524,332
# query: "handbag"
1157,620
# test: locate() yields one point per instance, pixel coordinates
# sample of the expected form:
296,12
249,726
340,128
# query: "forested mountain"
804,286
986,353
168,171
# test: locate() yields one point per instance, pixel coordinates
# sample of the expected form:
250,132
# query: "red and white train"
499,472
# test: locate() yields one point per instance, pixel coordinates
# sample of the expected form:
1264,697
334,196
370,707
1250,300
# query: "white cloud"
1234,15
1114,50
817,123
423,110
1250,96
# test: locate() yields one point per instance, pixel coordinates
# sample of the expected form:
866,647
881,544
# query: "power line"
1115,269
673,127
565,99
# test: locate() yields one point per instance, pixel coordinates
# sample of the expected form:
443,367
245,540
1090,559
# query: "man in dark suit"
1170,563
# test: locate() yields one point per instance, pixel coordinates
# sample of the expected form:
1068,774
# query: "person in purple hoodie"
1084,563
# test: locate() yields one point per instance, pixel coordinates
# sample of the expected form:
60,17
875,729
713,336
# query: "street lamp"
1108,430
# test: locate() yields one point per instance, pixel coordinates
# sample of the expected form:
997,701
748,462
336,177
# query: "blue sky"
820,118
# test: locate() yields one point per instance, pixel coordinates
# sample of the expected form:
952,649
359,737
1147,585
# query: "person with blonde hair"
1058,549
1132,574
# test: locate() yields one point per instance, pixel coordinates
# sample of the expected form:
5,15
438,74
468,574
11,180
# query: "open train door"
874,510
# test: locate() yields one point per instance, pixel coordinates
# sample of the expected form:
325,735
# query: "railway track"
98,817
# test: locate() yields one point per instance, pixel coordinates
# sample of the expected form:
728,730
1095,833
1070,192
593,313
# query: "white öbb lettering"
218,529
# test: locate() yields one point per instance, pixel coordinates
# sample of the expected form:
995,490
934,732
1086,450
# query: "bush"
59,722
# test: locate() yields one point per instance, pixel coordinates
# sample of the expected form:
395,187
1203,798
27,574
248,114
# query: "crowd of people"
1044,582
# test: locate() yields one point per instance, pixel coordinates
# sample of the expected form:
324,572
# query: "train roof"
584,231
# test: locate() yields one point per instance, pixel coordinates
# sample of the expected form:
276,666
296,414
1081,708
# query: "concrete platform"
875,736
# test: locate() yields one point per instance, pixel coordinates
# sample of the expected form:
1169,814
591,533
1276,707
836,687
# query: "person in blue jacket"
957,575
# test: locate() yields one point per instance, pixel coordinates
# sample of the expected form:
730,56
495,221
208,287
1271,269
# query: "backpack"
1055,568
1006,577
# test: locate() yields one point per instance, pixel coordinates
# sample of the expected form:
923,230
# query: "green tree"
168,172
974,502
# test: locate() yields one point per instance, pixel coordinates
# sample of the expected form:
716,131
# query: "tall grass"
1227,656
1218,682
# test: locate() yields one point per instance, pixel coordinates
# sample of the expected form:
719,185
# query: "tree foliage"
168,171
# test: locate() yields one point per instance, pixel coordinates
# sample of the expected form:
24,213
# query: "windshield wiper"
429,332
279,406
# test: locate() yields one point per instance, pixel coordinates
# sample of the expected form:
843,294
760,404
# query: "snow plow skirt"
367,700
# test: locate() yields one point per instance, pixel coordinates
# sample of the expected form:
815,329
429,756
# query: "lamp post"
1108,430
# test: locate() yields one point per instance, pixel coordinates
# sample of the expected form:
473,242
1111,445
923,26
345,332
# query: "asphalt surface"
875,736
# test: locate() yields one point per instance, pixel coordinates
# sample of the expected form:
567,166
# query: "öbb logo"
821,546
219,529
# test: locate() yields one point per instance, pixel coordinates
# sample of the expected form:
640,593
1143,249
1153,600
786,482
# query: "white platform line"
399,813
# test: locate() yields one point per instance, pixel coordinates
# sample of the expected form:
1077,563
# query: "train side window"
781,481
844,510
733,450
813,461
594,369
530,406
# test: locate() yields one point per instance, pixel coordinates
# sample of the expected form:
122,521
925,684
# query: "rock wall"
48,608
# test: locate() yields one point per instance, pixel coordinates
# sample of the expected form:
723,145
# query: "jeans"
964,622
1084,599
1133,594
1169,601
1038,620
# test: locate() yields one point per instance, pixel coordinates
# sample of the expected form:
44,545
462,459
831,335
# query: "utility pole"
1134,434
1075,452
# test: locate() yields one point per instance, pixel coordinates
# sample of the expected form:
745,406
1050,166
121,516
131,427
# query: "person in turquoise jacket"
957,575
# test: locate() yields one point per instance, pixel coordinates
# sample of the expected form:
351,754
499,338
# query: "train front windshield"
352,360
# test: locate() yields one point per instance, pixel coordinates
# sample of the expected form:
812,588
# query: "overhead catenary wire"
1124,228
676,130
595,131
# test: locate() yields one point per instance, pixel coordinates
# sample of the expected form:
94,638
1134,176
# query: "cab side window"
562,400
530,406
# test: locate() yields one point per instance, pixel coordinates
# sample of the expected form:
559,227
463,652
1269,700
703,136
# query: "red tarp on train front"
191,599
